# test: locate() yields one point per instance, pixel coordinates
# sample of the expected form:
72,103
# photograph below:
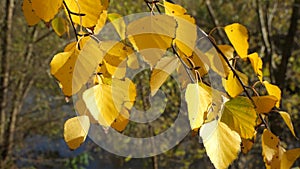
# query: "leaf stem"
72,23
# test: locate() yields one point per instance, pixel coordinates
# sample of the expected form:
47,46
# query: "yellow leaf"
91,10
238,36
221,143
289,157
99,101
73,68
270,145
29,14
287,119
46,9
173,9
239,114
164,67
274,91
59,26
151,36
256,63
121,121
217,63
198,100
264,104
101,22
118,23
246,145
76,130
232,85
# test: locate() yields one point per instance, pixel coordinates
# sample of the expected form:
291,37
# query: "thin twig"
72,23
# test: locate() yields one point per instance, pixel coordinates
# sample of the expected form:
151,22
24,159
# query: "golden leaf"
76,130
221,143
238,36
264,104
29,14
232,85
46,9
256,63
274,91
287,119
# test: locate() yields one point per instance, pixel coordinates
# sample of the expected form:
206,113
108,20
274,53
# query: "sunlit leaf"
90,9
46,9
151,36
287,119
121,121
239,114
101,22
264,104
76,130
232,85
119,24
59,26
217,63
273,90
164,67
29,14
198,100
221,143
173,9
289,157
270,145
73,68
238,36
256,63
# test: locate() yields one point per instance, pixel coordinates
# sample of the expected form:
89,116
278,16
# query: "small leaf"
59,26
274,91
76,130
256,63
164,67
239,114
101,22
232,84
270,145
289,157
246,145
119,24
221,143
287,119
46,9
30,16
264,104
238,36
198,100
121,121
90,9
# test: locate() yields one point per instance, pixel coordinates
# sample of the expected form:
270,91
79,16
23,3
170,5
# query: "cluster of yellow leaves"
95,71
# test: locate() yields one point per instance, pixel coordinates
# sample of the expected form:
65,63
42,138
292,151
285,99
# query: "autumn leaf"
264,104
73,67
100,22
76,130
287,119
256,63
238,36
118,23
289,157
30,16
59,26
222,144
158,30
232,85
121,121
270,145
198,100
91,11
164,67
246,145
239,114
274,91
217,63
46,9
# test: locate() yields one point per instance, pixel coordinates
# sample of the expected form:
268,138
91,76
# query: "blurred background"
33,109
